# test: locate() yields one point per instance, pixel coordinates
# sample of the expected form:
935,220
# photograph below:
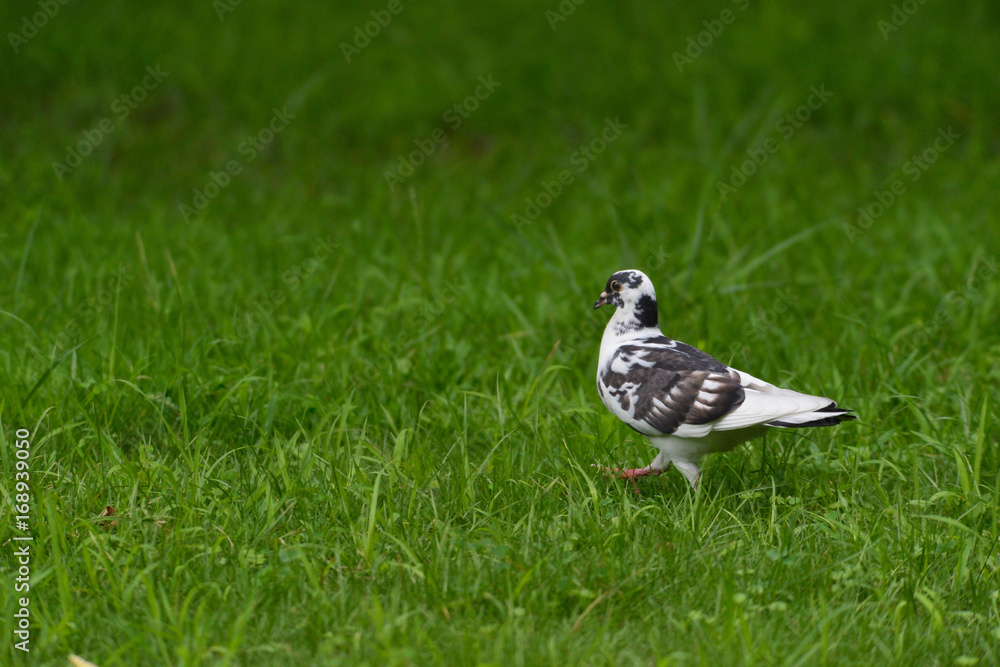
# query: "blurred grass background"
343,423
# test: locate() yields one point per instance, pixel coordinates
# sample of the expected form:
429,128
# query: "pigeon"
685,401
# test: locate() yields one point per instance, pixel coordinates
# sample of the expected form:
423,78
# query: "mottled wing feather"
664,384
677,356
689,397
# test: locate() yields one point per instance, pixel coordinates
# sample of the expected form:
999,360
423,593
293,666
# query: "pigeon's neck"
638,320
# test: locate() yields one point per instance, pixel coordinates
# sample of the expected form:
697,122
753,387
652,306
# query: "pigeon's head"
632,293
628,290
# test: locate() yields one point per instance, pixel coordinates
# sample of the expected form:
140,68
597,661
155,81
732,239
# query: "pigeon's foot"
631,474
628,473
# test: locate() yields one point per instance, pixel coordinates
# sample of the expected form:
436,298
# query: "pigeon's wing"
657,385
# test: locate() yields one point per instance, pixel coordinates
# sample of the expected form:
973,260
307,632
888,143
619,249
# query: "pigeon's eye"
616,286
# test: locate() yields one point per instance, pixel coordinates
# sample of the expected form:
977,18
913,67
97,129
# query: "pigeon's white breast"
607,361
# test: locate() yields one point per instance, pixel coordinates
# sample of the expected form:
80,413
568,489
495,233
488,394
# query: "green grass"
344,424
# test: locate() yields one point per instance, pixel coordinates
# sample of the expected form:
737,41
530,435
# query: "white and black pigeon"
685,401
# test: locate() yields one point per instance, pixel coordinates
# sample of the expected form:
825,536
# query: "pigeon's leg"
691,472
656,467
628,473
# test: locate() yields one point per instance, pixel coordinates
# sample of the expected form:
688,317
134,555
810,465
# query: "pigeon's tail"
831,415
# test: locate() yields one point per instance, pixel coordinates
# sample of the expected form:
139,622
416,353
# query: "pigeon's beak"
602,301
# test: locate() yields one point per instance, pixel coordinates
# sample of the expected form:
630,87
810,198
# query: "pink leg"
629,473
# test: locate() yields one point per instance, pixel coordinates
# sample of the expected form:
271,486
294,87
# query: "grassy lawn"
310,309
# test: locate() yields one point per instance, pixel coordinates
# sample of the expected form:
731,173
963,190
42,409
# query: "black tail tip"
834,419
